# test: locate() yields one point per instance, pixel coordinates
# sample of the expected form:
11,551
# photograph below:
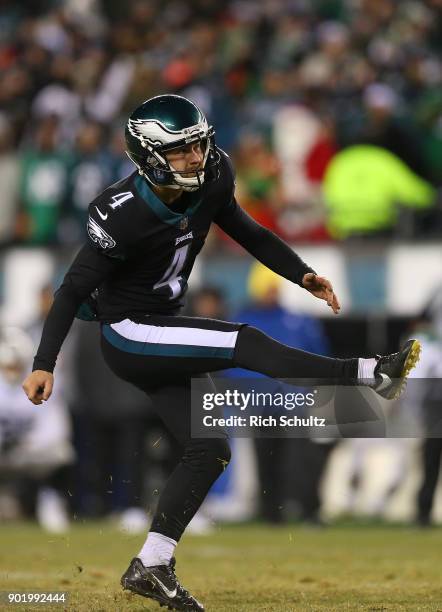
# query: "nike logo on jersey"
104,217
188,236
163,587
117,200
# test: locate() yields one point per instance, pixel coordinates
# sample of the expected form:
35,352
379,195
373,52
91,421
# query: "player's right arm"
108,236
89,269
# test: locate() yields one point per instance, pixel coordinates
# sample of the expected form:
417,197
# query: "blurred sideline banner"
24,272
367,277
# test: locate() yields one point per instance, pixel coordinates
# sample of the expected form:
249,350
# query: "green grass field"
253,568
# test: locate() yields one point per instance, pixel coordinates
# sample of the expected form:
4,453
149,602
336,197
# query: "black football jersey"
155,245
140,253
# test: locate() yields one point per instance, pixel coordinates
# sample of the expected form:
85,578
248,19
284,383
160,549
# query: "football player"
144,234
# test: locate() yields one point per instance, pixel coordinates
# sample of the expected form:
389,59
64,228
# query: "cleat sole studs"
412,359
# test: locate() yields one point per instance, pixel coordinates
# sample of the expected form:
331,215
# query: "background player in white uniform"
33,443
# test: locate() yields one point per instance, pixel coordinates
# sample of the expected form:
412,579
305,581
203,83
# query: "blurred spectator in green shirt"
44,168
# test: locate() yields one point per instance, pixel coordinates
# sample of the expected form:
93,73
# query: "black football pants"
161,354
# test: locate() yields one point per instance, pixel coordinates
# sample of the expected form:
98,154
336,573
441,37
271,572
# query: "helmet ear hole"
159,175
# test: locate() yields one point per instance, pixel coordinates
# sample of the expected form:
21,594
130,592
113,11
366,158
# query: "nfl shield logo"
184,223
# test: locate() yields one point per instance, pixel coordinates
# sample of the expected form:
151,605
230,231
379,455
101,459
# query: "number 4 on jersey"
171,276
120,198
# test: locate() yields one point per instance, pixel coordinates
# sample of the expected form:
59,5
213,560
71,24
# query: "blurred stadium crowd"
288,84
332,113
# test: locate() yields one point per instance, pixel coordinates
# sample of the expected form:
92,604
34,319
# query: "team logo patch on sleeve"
99,236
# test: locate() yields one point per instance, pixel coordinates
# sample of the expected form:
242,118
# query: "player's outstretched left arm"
274,253
38,386
321,288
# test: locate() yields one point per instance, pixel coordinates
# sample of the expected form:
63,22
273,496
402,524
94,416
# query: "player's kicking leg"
386,375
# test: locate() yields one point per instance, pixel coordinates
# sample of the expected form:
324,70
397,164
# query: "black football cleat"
391,371
160,583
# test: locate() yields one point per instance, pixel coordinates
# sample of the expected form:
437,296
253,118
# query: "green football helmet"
164,123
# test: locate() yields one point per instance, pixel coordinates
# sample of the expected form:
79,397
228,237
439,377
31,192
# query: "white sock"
366,368
158,549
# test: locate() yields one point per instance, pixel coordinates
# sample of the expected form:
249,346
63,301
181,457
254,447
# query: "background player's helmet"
164,123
